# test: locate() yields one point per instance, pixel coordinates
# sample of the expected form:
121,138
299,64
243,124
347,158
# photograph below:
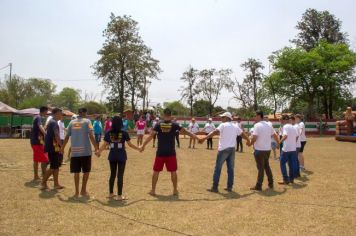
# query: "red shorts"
38,153
170,162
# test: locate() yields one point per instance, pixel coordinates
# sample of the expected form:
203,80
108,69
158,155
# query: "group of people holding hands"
81,136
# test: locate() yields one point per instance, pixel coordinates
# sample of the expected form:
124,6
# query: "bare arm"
133,146
184,131
253,140
147,140
102,148
92,140
283,138
65,143
43,131
210,135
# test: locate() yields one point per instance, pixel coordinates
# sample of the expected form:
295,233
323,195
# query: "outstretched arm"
245,136
210,135
147,140
190,134
133,146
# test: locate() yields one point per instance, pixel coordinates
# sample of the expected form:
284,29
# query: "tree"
326,70
94,107
176,107
318,25
124,60
211,83
13,92
201,108
68,98
190,91
247,91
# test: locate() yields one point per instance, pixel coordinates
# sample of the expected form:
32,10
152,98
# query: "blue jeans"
227,155
291,159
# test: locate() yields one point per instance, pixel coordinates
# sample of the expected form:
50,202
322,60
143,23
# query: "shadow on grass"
32,184
271,192
298,186
172,198
75,200
47,194
308,172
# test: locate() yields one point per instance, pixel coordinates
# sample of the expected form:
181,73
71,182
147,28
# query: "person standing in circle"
208,128
193,128
140,129
115,139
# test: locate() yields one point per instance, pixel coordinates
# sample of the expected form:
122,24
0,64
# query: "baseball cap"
226,114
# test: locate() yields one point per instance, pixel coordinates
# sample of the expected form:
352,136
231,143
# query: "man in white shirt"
261,139
193,128
303,141
208,128
226,150
239,138
289,154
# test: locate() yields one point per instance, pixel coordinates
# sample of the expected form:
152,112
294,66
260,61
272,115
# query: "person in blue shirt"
98,129
115,139
125,124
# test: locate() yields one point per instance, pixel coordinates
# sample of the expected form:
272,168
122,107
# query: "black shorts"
55,160
302,147
78,164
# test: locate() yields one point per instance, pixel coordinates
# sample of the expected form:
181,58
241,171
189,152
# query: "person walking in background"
193,128
166,153
80,130
37,143
298,129
226,150
116,138
303,140
154,123
208,128
125,124
107,125
289,154
239,138
53,146
140,130
98,129
261,139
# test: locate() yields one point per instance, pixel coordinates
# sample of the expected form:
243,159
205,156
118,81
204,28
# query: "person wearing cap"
154,123
166,152
226,150
193,128
81,133
261,139
208,128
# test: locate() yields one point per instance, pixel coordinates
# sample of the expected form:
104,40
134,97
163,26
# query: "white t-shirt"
303,138
290,144
270,123
228,133
61,129
194,128
48,119
209,127
297,128
264,133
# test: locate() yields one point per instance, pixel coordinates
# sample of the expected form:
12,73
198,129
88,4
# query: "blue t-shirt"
117,145
79,130
51,144
125,124
36,136
98,128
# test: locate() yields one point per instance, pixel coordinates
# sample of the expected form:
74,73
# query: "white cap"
227,114
210,119
74,117
157,118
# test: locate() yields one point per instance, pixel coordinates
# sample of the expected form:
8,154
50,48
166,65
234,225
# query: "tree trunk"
310,111
325,106
121,91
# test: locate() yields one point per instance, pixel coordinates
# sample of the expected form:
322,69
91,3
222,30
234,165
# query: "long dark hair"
116,126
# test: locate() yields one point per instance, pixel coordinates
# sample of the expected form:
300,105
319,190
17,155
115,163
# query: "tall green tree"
177,108
68,98
211,84
318,25
326,70
124,60
189,91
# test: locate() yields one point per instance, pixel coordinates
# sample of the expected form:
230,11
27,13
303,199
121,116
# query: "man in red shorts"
166,153
37,143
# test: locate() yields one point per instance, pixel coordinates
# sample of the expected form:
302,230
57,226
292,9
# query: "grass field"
322,202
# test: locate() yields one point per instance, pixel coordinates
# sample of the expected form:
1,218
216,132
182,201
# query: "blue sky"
59,40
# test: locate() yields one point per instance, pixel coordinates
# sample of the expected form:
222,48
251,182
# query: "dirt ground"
321,202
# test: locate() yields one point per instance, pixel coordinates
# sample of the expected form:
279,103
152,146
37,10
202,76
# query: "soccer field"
322,201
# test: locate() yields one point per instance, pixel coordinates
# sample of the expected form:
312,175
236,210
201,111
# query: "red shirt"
140,125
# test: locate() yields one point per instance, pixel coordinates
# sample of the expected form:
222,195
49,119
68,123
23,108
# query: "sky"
59,39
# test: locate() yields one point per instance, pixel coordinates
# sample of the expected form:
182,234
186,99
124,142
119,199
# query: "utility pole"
10,64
